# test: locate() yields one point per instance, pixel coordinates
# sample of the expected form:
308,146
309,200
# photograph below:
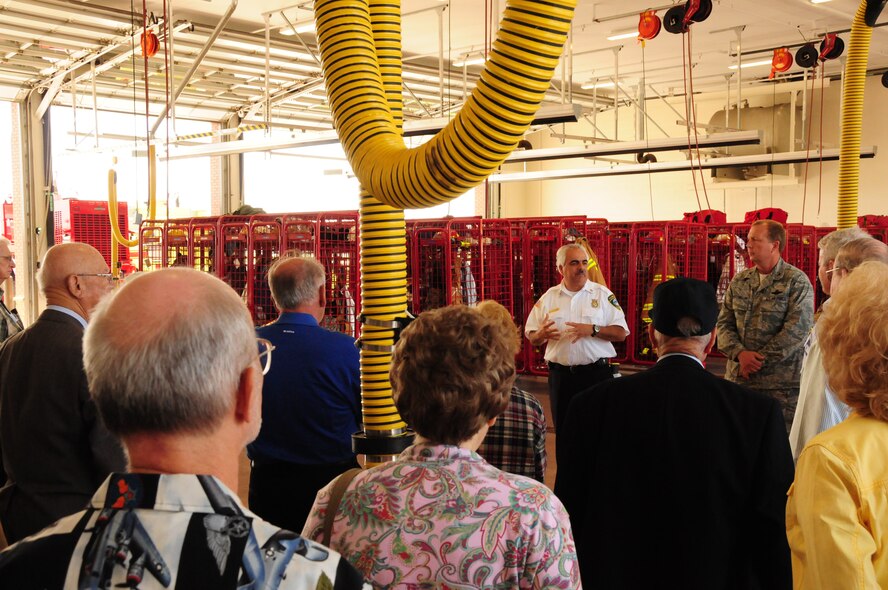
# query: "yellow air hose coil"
852,119
116,235
360,45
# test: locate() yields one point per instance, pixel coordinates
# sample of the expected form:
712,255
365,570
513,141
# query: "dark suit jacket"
675,478
54,448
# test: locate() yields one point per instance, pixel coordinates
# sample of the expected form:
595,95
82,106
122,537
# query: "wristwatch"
595,330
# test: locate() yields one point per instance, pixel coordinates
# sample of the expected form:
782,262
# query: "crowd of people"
123,421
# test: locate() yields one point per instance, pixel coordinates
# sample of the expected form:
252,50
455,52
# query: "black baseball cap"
684,297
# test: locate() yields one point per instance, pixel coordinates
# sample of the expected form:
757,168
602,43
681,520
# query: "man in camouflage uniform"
767,314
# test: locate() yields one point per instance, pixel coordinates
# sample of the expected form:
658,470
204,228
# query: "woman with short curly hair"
837,512
440,516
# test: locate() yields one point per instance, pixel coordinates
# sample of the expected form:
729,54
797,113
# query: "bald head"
297,284
75,276
162,364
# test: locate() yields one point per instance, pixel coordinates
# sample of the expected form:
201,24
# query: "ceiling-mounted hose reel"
781,61
679,18
648,25
831,47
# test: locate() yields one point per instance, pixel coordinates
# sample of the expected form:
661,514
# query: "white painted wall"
667,196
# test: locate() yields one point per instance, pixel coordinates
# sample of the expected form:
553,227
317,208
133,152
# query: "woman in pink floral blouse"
440,516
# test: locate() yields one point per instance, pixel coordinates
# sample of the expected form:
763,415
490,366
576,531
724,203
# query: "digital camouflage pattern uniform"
772,317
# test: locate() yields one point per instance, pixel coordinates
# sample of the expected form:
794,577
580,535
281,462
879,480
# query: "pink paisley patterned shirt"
441,517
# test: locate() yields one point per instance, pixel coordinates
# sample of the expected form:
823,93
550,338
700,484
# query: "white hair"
561,254
178,373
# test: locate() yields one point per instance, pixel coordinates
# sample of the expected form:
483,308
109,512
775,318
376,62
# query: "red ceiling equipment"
87,222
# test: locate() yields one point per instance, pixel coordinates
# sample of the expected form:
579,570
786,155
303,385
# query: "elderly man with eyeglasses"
55,450
181,385
823,409
10,323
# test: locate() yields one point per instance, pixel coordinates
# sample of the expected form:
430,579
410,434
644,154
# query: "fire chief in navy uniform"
674,477
311,403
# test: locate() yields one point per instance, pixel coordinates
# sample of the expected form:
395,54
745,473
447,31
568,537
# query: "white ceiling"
35,34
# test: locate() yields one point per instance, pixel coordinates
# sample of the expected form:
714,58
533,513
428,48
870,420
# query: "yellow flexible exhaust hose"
852,119
360,46
116,235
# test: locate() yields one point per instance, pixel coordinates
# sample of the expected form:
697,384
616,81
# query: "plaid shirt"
517,442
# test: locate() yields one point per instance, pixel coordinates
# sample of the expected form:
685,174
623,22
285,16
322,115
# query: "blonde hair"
853,334
495,312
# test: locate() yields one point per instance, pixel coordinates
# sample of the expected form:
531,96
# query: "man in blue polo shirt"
311,399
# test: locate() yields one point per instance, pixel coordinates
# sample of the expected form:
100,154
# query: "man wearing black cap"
674,477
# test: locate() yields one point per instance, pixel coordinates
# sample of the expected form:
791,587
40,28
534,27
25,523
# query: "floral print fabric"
441,517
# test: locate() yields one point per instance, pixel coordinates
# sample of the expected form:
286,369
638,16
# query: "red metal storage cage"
542,238
203,237
445,256
234,236
801,249
618,281
264,248
300,234
409,249
498,238
338,251
595,232
178,249
151,246
660,252
88,222
8,221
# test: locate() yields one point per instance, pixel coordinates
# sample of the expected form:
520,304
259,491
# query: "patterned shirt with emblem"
171,531
593,304
442,517
517,441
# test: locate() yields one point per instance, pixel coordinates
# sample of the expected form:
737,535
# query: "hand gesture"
750,362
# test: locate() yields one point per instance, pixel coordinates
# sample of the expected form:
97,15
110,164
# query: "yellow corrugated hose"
360,45
852,119
116,235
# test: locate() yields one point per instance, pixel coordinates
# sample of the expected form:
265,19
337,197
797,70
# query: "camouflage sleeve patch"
613,301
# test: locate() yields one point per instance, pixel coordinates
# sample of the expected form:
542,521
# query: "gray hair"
172,372
561,254
690,329
295,280
831,243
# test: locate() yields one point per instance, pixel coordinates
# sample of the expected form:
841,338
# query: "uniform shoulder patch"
613,301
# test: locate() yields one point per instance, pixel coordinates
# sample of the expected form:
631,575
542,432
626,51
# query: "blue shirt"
311,399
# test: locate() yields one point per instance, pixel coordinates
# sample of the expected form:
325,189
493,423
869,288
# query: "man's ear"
249,392
74,287
711,343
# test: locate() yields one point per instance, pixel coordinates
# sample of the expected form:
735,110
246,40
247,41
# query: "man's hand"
547,332
750,362
575,331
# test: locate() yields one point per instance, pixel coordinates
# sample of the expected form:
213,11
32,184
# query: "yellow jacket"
837,511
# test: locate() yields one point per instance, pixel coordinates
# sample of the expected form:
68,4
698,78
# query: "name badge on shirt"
595,303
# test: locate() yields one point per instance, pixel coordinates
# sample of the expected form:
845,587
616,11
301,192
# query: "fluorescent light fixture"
547,115
750,64
633,147
471,59
597,84
819,1
303,27
625,34
728,162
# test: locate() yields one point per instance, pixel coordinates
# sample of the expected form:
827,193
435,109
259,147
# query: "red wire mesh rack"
151,246
499,241
412,263
660,252
300,234
177,248
234,246
726,256
8,222
618,281
338,251
264,248
542,238
596,235
801,249
203,237
446,254
878,232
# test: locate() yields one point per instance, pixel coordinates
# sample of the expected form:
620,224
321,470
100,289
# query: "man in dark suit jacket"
673,477
55,449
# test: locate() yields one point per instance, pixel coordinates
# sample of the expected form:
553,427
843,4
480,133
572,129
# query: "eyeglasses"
105,275
265,348
835,268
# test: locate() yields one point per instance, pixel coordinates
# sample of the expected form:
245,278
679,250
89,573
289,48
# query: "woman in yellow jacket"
837,513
